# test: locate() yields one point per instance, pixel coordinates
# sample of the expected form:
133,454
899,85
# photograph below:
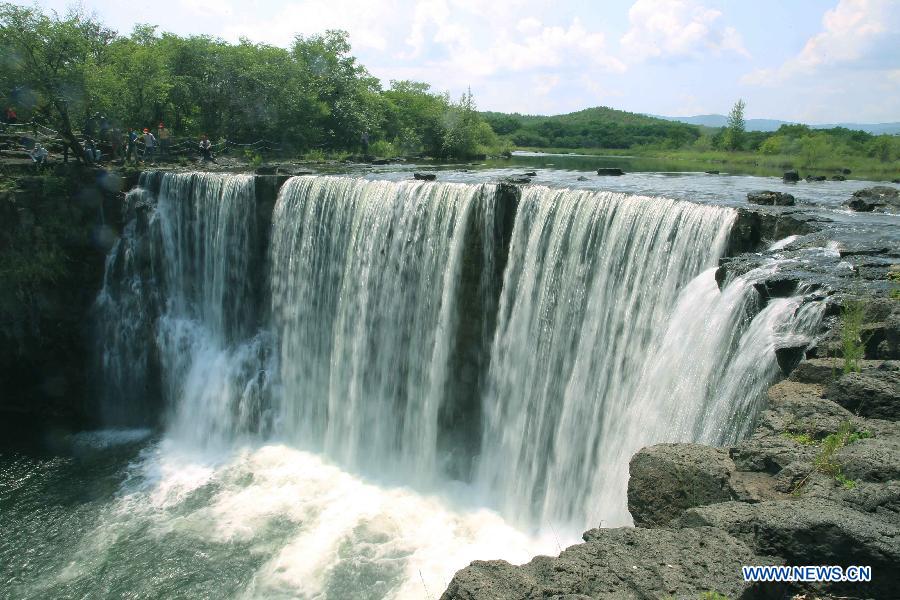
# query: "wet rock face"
791,177
753,229
881,198
768,198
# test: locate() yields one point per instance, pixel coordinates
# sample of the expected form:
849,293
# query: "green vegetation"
825,462
804,439
314,96
315,99
712,596
733,137
853,347
609,132
595,128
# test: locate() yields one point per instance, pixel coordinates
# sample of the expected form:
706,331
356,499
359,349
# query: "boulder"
873,393
846,171
769,198
817,370
424,176
582,178
788,355
517,180
667,479
811,531
790,177
870,459
623,563
712,172
610,171
815,178
530,173
838,178
880,197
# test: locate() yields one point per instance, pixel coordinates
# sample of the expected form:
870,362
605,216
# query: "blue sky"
806,60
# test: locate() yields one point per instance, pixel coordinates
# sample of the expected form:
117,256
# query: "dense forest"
315,98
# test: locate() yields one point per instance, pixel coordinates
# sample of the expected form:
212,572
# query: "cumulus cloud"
859,34
677,29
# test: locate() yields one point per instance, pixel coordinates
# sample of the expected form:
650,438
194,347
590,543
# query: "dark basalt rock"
789,356
880,198
712,172
838,178
424,176
667,479
811,531
517,180
622,563
778,286
873,393
754,226
790,177
610,171
530,173
815,178
582,178
769,198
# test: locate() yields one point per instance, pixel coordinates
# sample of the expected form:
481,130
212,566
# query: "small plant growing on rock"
830,444
853,314
712,596
804,439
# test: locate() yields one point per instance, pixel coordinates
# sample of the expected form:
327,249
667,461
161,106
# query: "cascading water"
605,345
401,330
180,275
366,283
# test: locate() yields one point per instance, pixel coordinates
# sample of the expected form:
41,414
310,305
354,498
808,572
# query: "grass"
804,439
894,278
861,167
825,462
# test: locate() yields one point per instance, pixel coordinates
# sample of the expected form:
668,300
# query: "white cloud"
368,23
856,33
543,84
677,29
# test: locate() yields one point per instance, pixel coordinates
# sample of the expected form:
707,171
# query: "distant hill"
598,127
774,124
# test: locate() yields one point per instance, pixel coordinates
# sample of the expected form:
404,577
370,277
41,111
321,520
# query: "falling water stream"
383,384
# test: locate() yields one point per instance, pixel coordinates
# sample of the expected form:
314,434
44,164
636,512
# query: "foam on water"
314,529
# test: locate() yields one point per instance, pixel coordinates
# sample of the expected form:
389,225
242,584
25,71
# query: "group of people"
132,145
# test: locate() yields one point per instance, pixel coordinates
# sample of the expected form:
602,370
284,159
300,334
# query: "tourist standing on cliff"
131,147
149,145
206,149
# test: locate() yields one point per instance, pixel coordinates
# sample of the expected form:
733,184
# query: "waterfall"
431,331
178,300
612,335
366,280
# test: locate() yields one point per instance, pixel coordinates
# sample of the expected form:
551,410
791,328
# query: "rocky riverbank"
817,482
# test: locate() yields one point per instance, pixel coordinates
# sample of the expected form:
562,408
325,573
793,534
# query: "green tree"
814,149
734,132
54,58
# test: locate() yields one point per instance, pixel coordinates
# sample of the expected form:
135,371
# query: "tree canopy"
312,96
